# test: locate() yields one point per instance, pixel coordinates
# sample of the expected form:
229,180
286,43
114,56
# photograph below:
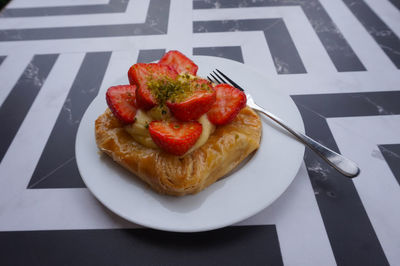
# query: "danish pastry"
177,132
174,175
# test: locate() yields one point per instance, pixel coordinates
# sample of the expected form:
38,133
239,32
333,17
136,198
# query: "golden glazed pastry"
173,175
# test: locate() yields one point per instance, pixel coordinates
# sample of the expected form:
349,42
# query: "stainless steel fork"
337,161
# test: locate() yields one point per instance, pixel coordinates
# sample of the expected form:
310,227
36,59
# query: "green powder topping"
175,90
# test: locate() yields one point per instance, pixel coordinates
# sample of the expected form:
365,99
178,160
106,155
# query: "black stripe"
158,16
352,104
156,24
114,6
244,245
57,166
351,234
2,59
383,35
340,52
150,55
19,101
391,153
396,3
283,50
229,52
77,32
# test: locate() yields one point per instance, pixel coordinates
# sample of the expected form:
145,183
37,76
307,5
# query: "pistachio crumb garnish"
174,90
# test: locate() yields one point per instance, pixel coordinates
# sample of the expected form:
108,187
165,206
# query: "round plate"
252,187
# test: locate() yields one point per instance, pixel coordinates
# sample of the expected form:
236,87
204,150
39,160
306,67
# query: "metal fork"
337,161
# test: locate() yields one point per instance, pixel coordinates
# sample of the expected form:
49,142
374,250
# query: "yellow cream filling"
208,129
140,132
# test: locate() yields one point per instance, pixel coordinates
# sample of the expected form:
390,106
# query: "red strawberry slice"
175,137
195,105
180,62
121,101
230,101
144,74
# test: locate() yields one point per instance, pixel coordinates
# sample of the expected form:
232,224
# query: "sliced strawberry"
196,104
144,74
175,137
180,62
230,101
145,99
121,101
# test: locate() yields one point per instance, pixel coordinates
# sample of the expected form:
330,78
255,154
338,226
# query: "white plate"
243,193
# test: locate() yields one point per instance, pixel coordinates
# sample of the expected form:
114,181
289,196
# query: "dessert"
176,131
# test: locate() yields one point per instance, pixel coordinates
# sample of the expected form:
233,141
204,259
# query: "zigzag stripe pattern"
315,109
337,47
285,55
23,95
156,23
340,52
344,89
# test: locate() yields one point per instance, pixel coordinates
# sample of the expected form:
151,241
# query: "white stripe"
378,188
179,25
242,13
117,70
341,82
60,209
86,44
262,59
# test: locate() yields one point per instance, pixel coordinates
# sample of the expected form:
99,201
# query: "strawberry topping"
179,62
170,83
175,137
146,76
197,104
121,101
230,101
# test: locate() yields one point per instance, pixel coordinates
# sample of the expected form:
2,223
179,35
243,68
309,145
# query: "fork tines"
220,79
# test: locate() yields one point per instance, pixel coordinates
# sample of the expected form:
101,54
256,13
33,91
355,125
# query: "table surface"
338,60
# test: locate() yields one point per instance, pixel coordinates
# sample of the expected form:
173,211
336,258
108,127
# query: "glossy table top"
338,60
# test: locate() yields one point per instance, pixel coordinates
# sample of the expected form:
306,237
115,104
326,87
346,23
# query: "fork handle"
337,161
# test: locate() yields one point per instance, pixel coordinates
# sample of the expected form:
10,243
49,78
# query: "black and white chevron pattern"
339,61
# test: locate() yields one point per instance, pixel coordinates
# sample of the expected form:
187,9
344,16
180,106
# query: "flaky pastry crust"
168,174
